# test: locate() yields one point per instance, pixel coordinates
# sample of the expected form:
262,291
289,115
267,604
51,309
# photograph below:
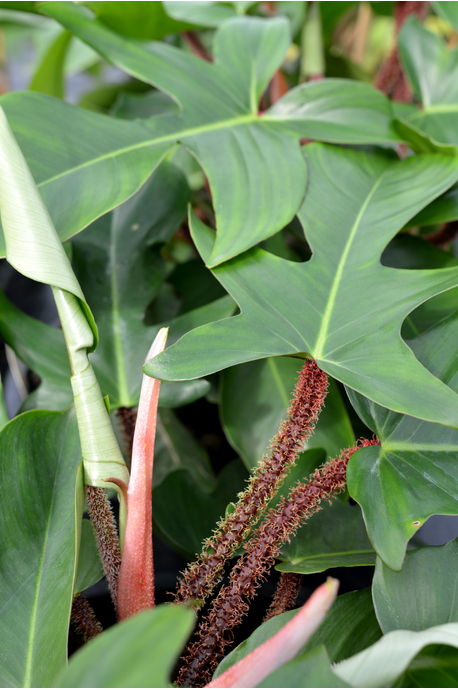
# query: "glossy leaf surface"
139,652
335,537
423,594
413,474
262,182
330,306
40,456
254,399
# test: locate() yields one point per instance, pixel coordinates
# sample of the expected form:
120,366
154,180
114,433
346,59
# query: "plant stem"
285,597
106,535
309,394
83,618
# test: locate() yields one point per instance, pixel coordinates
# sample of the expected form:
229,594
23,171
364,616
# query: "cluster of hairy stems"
233,601
261,530
200,578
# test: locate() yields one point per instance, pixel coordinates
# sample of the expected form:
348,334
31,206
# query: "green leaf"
381,664
254,399
336,536
412,475
118,263
316,307
448,11
90,568
176,448
3,412
49,75
309,670
140,652
435,666
97,148
220,120
144,21
349,627
423,594
40,456
184,527
42,349
210,14
431,69
441,210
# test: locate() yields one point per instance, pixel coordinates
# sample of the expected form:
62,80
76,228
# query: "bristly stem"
233,601
199,579
83,618
286,594
106,535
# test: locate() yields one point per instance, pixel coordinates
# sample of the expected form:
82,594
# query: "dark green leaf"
441,210
413,474
176,448
43,350
90,568
434,667
195,510
331,306
336,536
40,456
309,670
423,594
349,627
140,652
254,399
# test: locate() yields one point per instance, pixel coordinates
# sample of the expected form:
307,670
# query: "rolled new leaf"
34,249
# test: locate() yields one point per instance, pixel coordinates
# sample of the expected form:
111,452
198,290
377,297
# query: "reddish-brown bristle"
286,594
83,618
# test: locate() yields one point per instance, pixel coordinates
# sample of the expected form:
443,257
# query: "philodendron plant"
283,248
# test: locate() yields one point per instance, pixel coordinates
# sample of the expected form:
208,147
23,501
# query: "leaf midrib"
192,131
326,318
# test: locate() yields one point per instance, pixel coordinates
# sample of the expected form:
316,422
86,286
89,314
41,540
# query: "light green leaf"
381,664
412,475
254,399
40,456
316,307
423,594
203,13
143,21
335,537
431,69
262,181
448,11
49,76
90,568
140,652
